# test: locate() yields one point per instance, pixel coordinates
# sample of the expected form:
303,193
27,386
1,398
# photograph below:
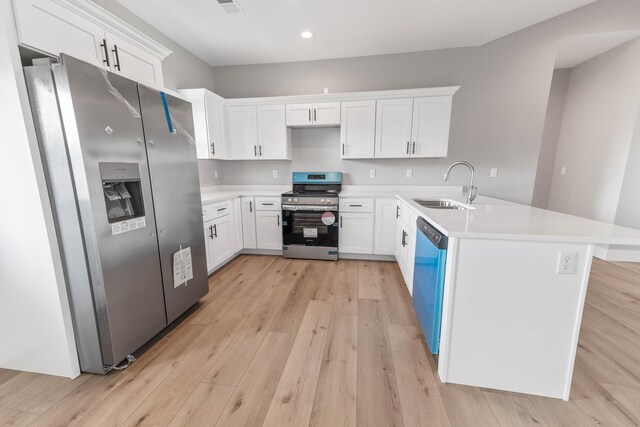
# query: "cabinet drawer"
356,205
216,210
268,204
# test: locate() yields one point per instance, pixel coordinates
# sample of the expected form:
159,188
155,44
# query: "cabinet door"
269,230
326,113
385,227
273,136
356,233
133,62
216,142
237,224
299,114
248,223
242,132
430,133
393,127
357,133
222,240
400,247
51,27
208,245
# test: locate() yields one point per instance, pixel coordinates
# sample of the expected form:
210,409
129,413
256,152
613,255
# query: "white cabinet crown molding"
115,25
330,97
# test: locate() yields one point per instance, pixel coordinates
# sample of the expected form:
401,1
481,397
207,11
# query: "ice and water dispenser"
122,191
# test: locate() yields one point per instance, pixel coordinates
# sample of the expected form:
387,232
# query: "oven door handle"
308,208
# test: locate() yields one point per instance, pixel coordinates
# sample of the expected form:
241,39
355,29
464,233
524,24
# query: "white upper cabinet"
258,133
242,132
208,123
430,130
82,29
316,114
413,127
49,26
358,129
393,127
216,141
274,139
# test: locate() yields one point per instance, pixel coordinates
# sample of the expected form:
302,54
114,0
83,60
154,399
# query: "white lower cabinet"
220,242
237,224
356,233
269,230
405,248
384,234
248,222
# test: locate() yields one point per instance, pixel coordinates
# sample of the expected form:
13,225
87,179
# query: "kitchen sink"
440,204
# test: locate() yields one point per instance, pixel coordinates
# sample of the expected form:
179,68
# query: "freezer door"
171,151
104,138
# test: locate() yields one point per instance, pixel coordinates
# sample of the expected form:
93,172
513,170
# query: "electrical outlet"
215,174
275,173
563,170
409,173
493,173
372,173
567,262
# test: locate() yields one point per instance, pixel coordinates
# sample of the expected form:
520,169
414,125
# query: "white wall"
498,115
36,333
599,120
550,137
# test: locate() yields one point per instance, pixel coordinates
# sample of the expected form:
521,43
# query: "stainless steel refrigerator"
122,177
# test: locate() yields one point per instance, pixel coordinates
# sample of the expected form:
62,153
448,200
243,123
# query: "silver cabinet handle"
215,230
407,147
211,231
267,204
397,211
222,209
404,238
340,221
315,114
106,52
117,58
343,149
213,148
260,150
250,206
356,206
255,150
278,220
414,148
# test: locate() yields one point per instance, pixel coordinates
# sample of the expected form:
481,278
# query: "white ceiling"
575,50
269,31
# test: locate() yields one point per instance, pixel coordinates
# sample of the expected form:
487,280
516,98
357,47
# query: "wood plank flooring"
281,342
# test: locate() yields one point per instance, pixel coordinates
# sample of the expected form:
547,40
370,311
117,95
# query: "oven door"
310,226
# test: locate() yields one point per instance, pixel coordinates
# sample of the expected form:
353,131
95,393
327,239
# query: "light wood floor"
293,343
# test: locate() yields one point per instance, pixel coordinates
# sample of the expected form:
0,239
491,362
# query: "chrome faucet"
472,189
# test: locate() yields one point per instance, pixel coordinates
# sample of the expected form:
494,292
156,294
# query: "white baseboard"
617,255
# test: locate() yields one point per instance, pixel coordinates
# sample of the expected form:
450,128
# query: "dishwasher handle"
439,239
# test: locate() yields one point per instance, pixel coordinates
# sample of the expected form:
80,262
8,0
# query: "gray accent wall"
497,119
598,125
550,136
181,69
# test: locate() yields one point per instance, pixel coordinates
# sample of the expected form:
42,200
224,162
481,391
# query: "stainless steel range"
310,216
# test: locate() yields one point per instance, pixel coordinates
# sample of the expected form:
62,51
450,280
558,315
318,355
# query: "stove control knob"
295,200
289,199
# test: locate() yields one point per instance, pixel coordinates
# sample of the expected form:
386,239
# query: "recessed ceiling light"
306,34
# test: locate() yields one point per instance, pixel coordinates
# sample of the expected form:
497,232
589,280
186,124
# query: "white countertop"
499,219
490,219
